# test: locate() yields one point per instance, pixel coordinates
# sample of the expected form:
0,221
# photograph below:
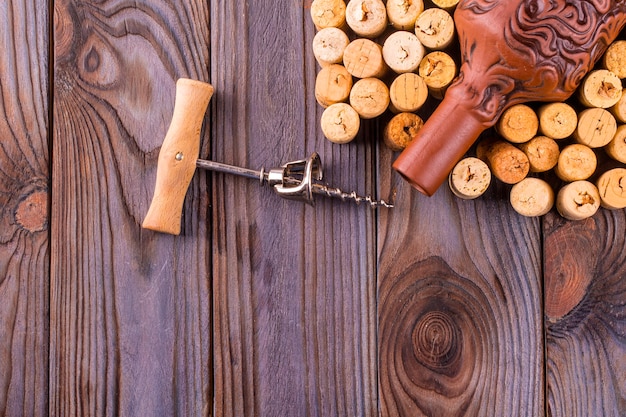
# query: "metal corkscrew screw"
296,180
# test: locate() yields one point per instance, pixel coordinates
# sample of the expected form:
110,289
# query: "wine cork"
612,188
403,52
578,200
518,124
402,14
367,18
616,148
532,197
600,88
469,178
408,93
363,58
542,152
329,45
596,127
507,163
438,70
332,85
340,123
576,162
401,130
447,5
369,97
614,58
619,109
435,28
328,13
557,120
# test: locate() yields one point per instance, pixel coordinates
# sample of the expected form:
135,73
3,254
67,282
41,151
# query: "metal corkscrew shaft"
297,180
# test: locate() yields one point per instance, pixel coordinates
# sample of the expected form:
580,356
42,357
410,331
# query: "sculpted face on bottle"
531,50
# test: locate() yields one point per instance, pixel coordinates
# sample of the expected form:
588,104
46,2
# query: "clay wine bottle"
511,52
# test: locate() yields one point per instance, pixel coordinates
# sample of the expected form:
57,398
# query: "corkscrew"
296,180
178,160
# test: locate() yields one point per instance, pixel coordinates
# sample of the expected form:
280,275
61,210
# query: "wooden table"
265,307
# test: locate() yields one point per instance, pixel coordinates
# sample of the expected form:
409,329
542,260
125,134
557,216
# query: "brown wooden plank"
130,309
24,193
585,307
460,319
294,286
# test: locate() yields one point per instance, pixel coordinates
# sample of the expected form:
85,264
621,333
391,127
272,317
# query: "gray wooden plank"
294,285
130,308
24,209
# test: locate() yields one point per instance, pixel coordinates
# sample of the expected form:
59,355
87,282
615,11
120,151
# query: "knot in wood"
91,61
32,212
436,340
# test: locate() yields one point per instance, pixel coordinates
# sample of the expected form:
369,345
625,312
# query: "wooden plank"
585,307
130,309
24,193
460,315
294,285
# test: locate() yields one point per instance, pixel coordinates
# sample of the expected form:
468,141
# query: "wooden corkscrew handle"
178,156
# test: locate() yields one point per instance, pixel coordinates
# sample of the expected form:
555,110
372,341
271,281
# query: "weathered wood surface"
24,220
585,308
294,286
130,319
263,306
460,320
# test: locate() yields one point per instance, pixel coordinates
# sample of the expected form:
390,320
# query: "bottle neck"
443,140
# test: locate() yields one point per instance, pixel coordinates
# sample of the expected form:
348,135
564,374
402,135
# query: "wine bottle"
512,52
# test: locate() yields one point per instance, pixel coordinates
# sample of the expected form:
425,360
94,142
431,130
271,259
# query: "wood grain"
130,309
24,193
294,286
262,306
459,306
585,289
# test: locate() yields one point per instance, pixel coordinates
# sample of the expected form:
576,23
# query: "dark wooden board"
24,194
460,314
585,290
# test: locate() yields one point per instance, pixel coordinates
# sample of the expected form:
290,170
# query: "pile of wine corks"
571,155
380,58
389,58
